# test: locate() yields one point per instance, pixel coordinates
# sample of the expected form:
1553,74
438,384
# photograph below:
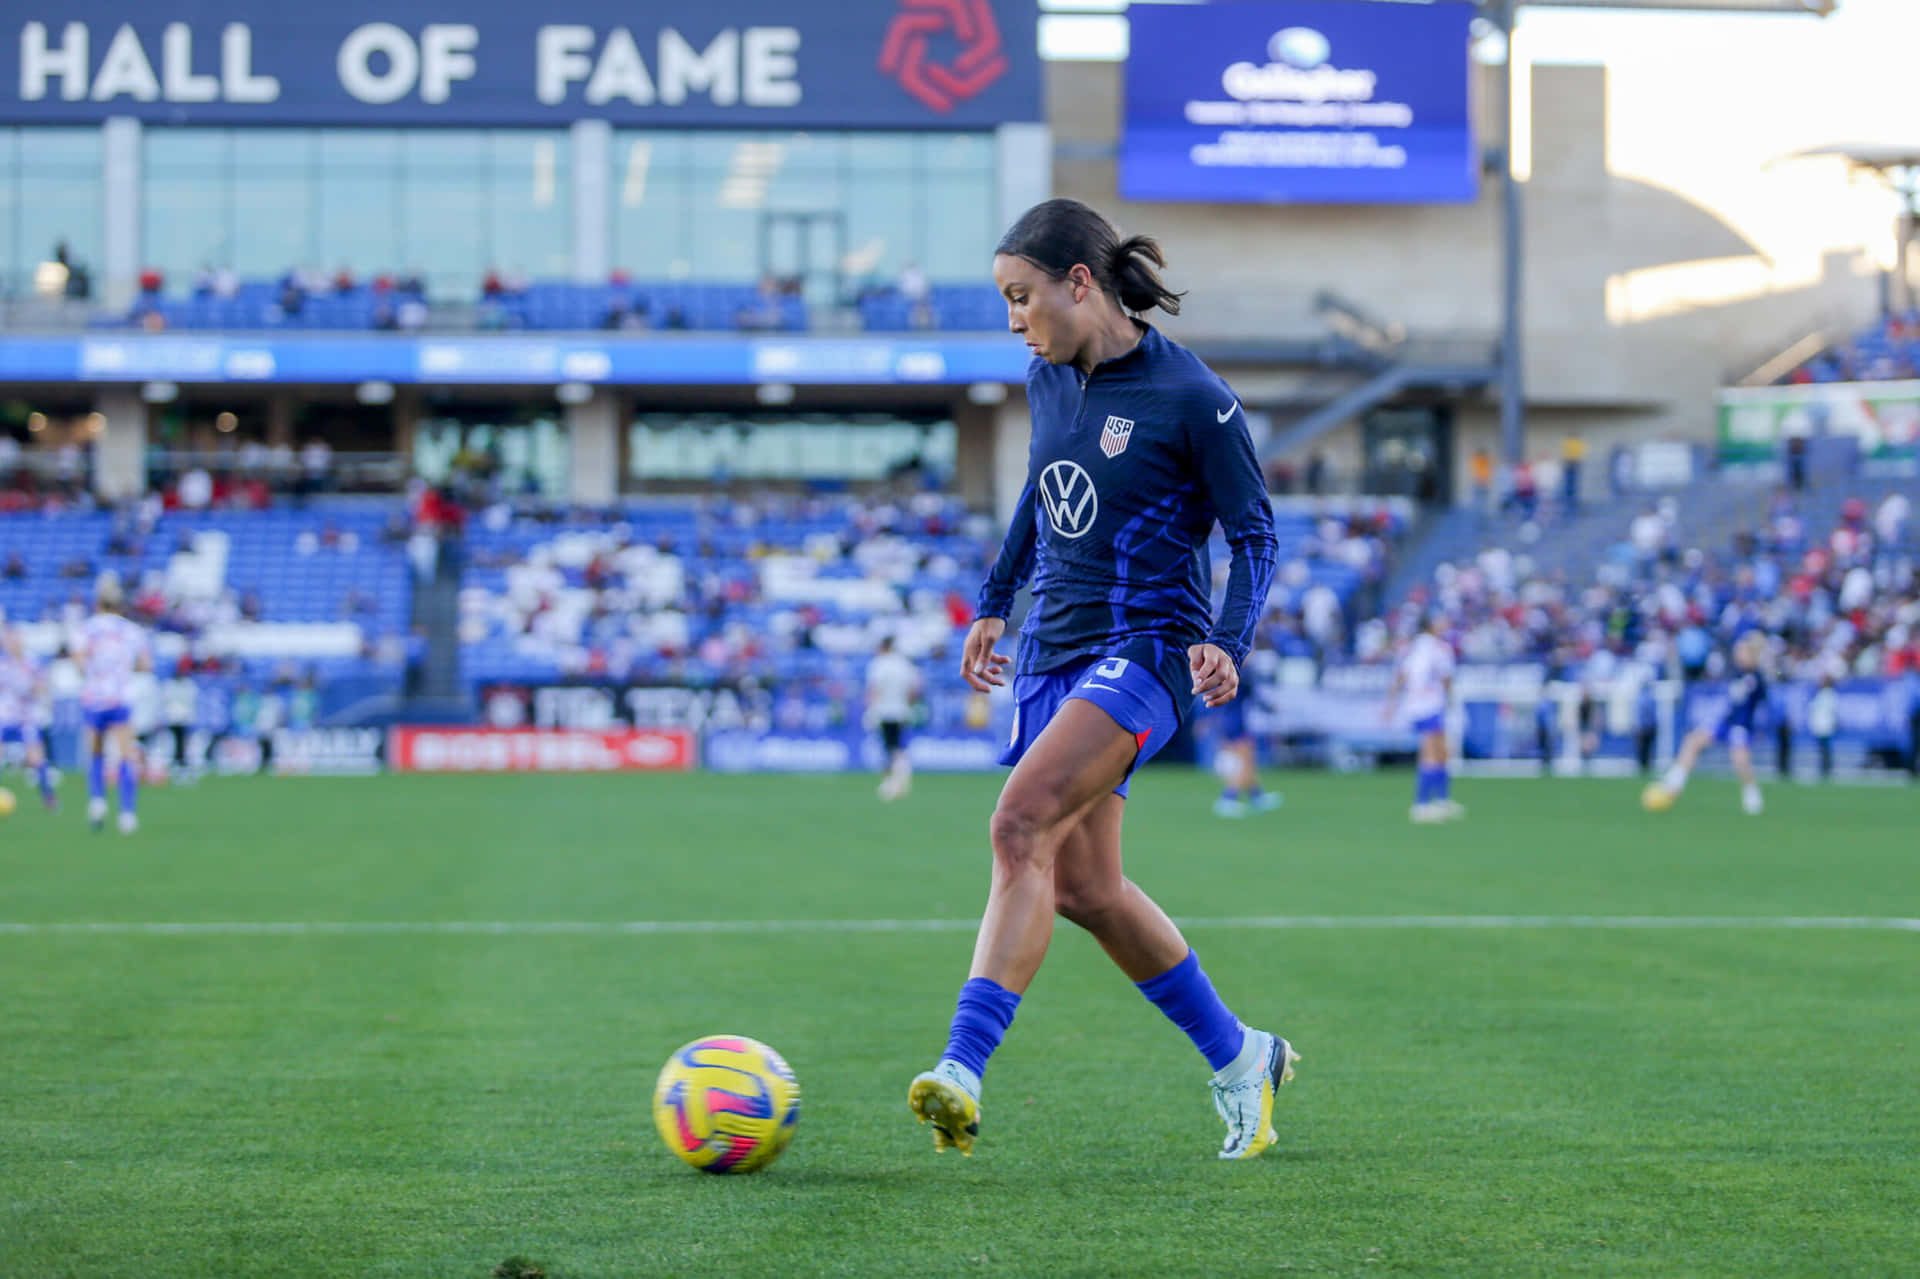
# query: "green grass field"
1540,1100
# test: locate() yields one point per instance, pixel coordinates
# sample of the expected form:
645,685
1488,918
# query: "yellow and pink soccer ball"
1656,798
727,1104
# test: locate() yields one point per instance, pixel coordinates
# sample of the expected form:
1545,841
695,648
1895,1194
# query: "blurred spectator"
1573,451
917,292
343,281
195,489
1480,472
491,285
1797,462
316,466
152,281
16,568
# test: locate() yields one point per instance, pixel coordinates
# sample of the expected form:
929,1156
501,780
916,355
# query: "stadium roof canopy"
1872,155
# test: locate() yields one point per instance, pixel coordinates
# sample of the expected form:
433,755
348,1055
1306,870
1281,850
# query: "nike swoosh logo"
1228,412
1109,687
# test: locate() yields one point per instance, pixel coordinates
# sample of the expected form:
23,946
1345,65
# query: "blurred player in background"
1235,761
110,651
1137,449
22,686
893,687
1422,685
1746,696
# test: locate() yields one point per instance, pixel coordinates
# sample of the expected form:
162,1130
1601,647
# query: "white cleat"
1450,811
1266,801
1750,802
948,1096
1224,807
97,814
1244,1100
1430,814
129,823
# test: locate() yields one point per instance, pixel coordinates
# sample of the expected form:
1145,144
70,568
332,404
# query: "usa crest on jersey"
1113,440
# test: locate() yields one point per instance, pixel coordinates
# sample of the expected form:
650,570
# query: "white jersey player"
110,650
22,683
893,684
1422,687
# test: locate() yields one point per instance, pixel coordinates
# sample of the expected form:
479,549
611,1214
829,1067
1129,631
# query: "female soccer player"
1424,679
1137,448
111,648
1746,697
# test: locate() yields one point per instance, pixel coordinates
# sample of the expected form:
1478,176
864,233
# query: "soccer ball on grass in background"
1656,798
726,1103
7,802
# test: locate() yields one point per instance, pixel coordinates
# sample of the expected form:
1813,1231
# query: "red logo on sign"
538,750
939,85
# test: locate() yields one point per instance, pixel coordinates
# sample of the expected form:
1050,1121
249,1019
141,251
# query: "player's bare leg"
128,749
1674,780
1071,768
1078,759
1092,890
1750,801
1432,755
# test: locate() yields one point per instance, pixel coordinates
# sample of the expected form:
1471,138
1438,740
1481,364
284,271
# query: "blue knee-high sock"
1422,784
1442,782
129,786
980,1021
1186,995
44,775
97,777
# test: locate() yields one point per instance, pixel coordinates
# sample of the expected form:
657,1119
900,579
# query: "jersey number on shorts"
1112,669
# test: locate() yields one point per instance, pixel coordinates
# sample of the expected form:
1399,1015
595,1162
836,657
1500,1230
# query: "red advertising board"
538,750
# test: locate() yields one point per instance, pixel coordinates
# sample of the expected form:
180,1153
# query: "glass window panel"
60,197
530,200
274,222
443,232
359,199
960,231
16,268
958,153
188,177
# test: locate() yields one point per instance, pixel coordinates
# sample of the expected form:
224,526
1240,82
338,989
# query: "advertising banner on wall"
495,750
1299,102
757,64
1883,416
850,750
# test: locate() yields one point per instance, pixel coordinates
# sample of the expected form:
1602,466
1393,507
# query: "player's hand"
1216,680
980,666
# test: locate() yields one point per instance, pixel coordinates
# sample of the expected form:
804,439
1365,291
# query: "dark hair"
1058,235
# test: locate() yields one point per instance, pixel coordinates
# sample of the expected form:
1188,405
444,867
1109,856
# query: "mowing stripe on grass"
643,927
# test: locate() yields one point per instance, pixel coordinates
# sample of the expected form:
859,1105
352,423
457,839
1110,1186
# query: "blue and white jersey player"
111,650
22,686
1422,689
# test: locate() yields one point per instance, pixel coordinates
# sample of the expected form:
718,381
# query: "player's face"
1042,309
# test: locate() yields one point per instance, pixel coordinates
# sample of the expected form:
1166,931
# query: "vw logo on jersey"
1067,493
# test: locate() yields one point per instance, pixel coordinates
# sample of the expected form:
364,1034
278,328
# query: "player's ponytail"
1136,282
1058,235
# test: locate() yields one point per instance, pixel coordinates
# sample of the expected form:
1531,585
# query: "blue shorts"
1434,723
105,717
1734,731
25,734
1231,720
1126,690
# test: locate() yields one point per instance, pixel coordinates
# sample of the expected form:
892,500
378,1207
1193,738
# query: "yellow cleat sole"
954,1115
1285,1076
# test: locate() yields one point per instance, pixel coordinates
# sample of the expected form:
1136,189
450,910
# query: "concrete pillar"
280,422
593,449
974,429
1024,168
120,451
120,139
1013,427
592,167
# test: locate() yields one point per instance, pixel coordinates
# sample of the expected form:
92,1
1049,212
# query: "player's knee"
1018,832
1082,899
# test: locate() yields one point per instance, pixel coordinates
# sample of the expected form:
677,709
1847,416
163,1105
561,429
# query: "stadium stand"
1887,350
